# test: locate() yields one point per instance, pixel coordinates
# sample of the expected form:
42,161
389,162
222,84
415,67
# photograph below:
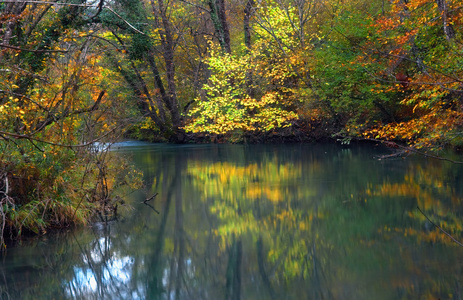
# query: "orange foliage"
429,190
420,41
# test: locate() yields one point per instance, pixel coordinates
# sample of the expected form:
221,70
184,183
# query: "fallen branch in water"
149,199
409,149
440,228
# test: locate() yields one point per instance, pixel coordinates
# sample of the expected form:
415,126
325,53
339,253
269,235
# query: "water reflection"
260,222
102,273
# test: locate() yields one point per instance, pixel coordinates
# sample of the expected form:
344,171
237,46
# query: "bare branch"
150,198
30,138
54,118
409,149
100,8
80,5
440,228
196,5
31,50
138,31
50,2
24,97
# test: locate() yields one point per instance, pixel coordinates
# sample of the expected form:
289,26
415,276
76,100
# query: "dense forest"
76,75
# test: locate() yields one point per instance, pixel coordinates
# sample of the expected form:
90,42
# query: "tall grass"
59,188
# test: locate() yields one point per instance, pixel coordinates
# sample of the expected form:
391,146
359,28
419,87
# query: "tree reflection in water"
260,222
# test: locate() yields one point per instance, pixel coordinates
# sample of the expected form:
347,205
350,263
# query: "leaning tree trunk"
167,42
219,19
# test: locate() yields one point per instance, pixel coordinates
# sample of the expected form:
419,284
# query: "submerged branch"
407,149
440,228
149,199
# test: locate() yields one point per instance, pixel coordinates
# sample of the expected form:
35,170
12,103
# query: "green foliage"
423,40
145,130
348,87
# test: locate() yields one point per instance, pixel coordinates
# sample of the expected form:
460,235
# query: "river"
295,221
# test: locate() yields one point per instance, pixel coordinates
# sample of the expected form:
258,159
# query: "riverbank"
61,189
40,194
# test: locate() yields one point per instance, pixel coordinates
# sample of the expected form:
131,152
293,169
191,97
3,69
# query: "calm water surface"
260,222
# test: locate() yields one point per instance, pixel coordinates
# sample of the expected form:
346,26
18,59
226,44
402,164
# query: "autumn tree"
218,16
352,92
229,109
159,58
426,38
394,73
259,88
53,108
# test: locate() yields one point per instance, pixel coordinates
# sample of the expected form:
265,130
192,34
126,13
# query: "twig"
30,138
432,156
195,5
99,7
147,204
150,198
440,228
124,20
25,97
31,50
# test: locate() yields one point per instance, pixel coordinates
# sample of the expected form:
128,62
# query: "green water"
260,222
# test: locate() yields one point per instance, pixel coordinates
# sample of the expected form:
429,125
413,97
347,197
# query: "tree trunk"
246,22
219,19
233,276
248,10
167,43
448,29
